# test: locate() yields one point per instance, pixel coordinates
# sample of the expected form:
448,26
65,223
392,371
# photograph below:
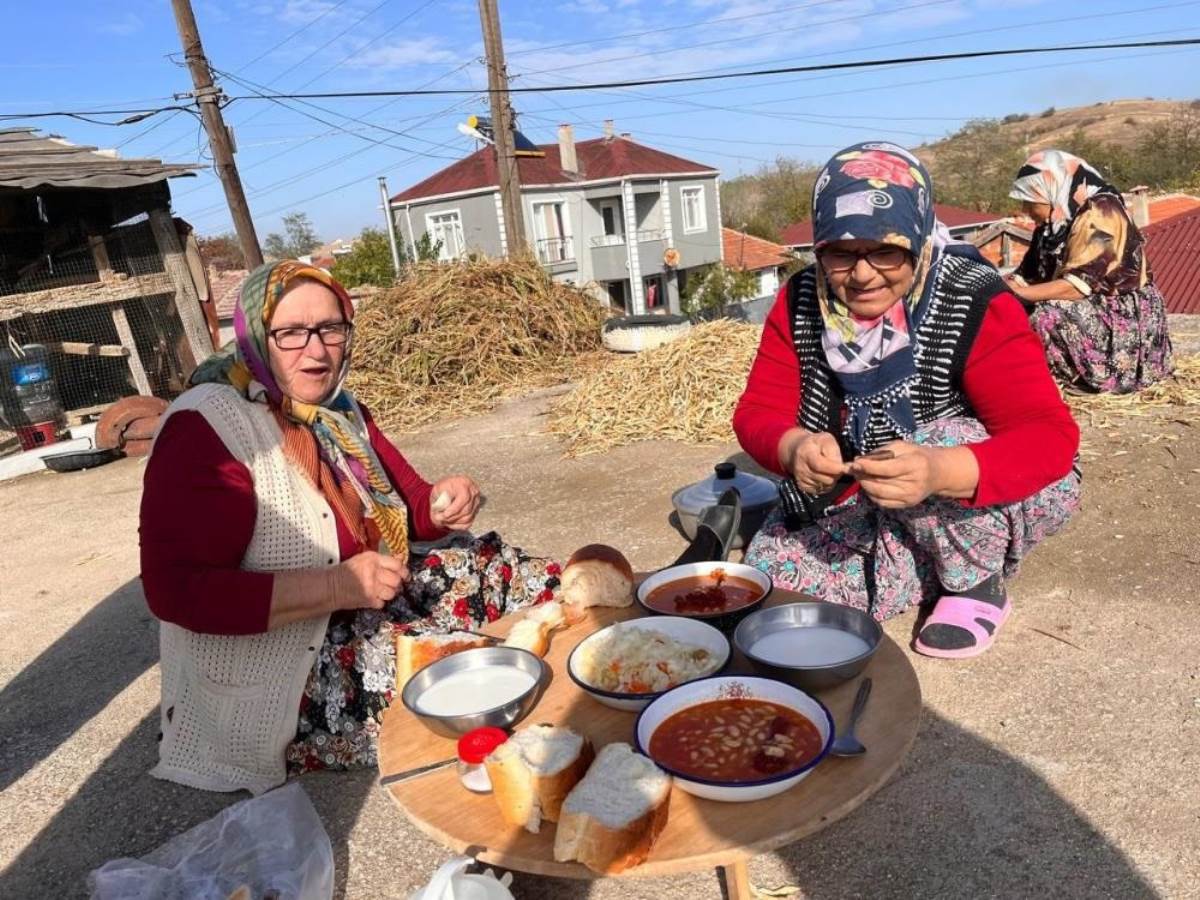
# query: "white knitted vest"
230,704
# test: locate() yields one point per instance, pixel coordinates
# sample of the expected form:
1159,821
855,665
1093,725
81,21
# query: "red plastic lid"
478,743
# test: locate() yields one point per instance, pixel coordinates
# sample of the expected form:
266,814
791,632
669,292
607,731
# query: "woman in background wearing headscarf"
275,528
900,390
1087,281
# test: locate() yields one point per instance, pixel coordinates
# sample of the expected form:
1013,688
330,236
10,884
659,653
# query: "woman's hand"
367,581
915,473
453,502
813,459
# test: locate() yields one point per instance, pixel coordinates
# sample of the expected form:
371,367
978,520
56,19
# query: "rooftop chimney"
1139,205
566,149
608,129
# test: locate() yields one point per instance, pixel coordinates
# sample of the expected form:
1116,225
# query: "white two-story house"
609,212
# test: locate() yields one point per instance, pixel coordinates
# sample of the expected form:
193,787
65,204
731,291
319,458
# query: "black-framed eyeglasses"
331,334
881,258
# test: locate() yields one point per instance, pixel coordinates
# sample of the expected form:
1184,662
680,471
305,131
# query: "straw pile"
1179,396
682,391
451,339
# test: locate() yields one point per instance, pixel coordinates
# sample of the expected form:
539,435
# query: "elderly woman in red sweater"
275,530
900,389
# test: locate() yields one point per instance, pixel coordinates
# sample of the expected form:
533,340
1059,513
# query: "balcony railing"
649,234
608,240
555,250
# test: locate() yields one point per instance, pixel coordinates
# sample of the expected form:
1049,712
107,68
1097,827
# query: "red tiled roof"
598,159
1173,248
225,287
800,234
1163,208
750,253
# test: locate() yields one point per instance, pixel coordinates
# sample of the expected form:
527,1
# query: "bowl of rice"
628,664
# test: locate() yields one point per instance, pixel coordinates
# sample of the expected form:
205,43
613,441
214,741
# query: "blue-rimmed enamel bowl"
686,631
724,687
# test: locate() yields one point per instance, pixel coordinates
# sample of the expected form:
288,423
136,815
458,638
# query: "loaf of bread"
415,652
597,575
529,634
612,817
533,770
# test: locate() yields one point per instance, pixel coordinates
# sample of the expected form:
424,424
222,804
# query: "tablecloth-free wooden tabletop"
699,833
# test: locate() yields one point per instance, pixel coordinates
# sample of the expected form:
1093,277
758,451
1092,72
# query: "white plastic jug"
450,882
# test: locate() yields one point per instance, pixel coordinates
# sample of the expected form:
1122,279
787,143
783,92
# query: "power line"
244,66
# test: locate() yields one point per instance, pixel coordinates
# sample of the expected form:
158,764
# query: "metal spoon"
846,744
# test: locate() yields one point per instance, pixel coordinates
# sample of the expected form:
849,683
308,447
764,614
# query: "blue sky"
75,55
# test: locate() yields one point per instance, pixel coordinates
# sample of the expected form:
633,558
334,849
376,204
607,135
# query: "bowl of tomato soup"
721,592
735,738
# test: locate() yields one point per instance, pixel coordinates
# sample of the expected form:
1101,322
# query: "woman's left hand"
453,502
907,479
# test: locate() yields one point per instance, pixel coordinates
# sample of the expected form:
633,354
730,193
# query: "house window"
446,228
692,201
614,223
552,230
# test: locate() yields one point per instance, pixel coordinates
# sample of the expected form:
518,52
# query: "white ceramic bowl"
719,688
688,631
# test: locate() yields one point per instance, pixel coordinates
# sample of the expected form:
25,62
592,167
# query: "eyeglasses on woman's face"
296,337
883,258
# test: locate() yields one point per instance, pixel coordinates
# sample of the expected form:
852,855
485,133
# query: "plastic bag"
273,844
451,882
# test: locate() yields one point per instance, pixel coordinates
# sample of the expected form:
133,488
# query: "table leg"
737,881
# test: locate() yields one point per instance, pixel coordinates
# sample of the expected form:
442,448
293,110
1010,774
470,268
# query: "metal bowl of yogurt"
809,644
496,686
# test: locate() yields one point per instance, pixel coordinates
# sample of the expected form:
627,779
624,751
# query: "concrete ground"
1065,762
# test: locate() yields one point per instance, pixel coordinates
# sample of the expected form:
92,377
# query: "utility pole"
391,224
207,96
502,130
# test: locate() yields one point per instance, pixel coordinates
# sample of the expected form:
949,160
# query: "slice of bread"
597,575
415,652
613,816
533,770
529,635
550,613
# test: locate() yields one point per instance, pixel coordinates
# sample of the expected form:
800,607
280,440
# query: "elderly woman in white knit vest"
275,526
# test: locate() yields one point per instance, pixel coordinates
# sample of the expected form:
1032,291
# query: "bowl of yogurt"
496,686
809,644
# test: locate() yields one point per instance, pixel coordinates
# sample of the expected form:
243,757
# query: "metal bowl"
722,620
505,715
805,614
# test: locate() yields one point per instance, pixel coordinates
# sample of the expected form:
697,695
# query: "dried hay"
451,339
683,391
1178,396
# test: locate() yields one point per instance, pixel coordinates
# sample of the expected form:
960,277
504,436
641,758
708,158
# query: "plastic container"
473,748
453,882
29,397
758,496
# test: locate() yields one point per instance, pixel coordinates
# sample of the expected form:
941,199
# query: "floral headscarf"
878,192
342,464
1064,182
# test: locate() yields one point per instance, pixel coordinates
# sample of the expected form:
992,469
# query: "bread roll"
533,771
530,635
612,817
415,652
597,575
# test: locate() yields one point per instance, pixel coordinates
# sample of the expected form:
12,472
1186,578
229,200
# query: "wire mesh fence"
87,316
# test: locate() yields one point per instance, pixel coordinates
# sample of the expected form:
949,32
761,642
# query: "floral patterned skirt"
885,560
465,585
1117,344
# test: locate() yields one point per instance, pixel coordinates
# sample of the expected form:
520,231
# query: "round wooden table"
700,833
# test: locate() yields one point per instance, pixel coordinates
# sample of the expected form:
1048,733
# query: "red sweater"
197,518
1033,438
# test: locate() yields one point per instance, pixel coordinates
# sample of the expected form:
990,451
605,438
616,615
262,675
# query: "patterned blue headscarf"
878,192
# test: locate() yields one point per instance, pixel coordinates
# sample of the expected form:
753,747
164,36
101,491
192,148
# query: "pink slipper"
967,614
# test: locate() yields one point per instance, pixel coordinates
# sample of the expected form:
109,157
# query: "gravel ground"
1062,763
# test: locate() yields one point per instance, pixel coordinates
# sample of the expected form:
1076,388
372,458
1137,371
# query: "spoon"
846,744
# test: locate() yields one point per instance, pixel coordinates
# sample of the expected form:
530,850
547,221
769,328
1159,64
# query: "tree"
775,196
298,238
428,249
221,252
370,262
709,291
975,166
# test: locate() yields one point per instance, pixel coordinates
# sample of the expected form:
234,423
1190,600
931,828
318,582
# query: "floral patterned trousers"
886,560
465,585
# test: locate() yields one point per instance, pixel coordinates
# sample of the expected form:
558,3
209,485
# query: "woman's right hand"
368,581
814,460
